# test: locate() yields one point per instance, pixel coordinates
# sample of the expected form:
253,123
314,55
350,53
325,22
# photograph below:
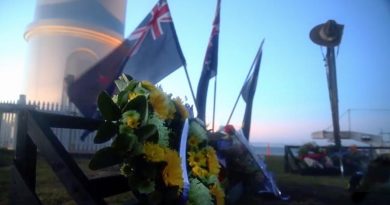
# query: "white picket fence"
70,138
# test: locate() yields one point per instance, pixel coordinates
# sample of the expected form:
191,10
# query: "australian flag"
248,91
209,66
150,53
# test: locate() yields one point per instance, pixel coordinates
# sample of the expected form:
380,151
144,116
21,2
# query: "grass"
5,174
48,188
303,190
308,190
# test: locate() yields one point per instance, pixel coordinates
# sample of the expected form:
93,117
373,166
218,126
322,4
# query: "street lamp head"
327,34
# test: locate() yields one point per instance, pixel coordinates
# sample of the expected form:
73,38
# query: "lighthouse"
65,39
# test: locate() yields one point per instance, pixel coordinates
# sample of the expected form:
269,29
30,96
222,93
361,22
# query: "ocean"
274,149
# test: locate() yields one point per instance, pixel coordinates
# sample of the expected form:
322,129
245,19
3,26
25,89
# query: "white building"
65,39
359,137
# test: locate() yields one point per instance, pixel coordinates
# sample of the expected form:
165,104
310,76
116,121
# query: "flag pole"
238,97
247,76
215,99
234,107
189,83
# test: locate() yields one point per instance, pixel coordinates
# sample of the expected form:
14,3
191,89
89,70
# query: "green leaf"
140,184
121,84
146,132
146,186
124,142
108,108
105,132
103,158
123,98
126,77
140,105
137,149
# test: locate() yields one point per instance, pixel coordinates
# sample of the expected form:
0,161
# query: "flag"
209,66
151,52
248,91
159,52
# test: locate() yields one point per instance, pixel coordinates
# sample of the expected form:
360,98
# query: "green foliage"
124,143
123,82
199,193
140,105
108,108
105,132
139,144
147,133
146,186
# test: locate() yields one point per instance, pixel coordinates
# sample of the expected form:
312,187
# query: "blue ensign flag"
150,53
248,91
210,65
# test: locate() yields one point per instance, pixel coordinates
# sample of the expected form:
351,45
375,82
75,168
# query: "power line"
349,110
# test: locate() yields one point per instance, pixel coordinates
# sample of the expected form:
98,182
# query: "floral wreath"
144,125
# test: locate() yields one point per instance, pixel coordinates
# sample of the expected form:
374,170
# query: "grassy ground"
303,190
49,189
308,190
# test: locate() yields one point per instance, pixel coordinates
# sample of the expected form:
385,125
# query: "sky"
292,98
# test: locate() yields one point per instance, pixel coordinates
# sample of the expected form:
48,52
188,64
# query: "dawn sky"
291,99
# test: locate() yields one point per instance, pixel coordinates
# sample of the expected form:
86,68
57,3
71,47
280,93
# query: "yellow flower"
154,152
212,161
148,85
199,171
172,173
133,95
193,141
162,104
179,105
196,159
218,193
131,118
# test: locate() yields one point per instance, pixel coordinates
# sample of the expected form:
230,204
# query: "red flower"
229,129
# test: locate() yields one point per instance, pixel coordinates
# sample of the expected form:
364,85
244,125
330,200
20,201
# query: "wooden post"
24,168
63,165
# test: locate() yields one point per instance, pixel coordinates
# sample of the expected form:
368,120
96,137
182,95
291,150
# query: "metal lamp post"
329,35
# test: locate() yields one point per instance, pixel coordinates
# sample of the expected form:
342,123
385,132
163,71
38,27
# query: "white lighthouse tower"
65,39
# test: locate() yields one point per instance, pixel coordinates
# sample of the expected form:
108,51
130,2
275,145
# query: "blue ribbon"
183,157
270,182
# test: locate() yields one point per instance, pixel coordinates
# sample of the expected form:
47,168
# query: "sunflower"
154,152
131,118
161,104
125,169
212,161
193,141
148,85
199,171
132,95
179,105
218,194
196,159
172,173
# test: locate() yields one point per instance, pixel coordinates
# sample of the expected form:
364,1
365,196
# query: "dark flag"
248,92
209,66
150,53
